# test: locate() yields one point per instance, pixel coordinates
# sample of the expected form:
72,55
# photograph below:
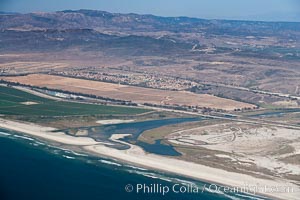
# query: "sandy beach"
137,156
45,132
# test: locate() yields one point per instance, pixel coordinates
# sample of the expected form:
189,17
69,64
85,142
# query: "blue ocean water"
31,169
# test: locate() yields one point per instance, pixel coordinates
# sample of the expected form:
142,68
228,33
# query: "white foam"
41,143
251,197
5,134
232,197
139,168
151,176
110,163
154,176
78,154
184,181
68,157
23,137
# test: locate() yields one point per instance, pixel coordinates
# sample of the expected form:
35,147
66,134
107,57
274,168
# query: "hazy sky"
274,10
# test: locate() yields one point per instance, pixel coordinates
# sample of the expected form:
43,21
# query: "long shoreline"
135,155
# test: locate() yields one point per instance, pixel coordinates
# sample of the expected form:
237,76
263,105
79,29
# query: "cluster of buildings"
136,79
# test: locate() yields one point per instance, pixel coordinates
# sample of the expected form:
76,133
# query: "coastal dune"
137,156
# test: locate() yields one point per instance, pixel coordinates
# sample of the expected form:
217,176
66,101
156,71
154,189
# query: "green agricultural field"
16,102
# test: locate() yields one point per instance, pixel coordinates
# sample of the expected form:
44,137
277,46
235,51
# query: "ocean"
32,169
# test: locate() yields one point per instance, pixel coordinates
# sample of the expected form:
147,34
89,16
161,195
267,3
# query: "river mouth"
103,133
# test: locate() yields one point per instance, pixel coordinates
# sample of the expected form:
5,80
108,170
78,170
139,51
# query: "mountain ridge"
71,19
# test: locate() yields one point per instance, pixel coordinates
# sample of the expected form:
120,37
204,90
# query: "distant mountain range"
134,35
129,23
